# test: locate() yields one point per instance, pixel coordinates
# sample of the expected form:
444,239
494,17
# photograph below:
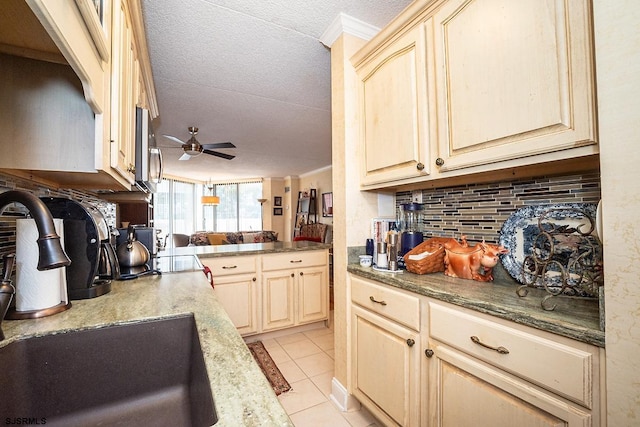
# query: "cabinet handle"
229,267
420,166
429,353
500,349
439,161
254,279
377,302
301,273
295,261
293,275
410,342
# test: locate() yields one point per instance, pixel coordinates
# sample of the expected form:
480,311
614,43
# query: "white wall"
618,81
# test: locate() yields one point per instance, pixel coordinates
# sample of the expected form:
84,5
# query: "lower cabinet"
417,361
236,285
295,289
262,293
385,352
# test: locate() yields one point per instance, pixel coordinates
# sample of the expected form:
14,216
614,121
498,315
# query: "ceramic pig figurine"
471,262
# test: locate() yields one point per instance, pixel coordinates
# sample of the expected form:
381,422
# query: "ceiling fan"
193,148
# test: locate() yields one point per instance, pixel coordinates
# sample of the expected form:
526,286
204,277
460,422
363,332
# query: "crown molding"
344,23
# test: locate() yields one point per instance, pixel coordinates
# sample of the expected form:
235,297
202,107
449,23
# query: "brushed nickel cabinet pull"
229,267
420,166
377,302
410,342
439,161
499,349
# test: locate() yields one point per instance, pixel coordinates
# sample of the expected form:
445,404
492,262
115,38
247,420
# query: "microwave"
148,156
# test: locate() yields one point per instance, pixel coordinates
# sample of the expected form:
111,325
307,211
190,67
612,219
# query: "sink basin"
147,373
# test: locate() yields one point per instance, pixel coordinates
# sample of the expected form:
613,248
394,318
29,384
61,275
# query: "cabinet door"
278,299
123,96
466,392
385,368
514,80
239,297
313,294
393,111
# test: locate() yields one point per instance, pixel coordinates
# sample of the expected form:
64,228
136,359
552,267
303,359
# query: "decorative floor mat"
269,368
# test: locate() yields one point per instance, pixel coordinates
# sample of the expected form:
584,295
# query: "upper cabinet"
461,87
393,110
514,80
73,73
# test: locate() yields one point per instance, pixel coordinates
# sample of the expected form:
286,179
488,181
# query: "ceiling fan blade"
173,138
218,145
185,156
218,154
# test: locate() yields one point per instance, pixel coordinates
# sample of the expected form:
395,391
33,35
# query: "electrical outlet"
416,196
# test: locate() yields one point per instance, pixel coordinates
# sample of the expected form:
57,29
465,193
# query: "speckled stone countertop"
574,318
210,251
241,393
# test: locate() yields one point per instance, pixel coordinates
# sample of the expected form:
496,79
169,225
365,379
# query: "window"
239,209
178,209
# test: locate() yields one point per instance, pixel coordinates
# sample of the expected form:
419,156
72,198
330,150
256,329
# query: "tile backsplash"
479,210
7,219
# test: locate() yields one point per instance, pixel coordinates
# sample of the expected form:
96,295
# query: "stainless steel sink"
148,373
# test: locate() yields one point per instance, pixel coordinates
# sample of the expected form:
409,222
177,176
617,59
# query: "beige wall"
321,180
618,68
272,187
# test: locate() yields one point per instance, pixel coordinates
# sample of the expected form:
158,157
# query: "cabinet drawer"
230,265
561,368
289,260
395,305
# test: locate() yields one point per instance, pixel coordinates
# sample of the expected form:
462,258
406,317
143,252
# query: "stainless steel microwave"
148,156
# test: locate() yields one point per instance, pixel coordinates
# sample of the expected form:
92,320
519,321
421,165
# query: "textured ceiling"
252,72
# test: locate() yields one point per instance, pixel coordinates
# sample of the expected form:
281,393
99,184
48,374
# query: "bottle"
381,260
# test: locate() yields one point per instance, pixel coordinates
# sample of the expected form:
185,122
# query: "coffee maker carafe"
411,222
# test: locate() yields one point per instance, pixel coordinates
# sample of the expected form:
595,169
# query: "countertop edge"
450,290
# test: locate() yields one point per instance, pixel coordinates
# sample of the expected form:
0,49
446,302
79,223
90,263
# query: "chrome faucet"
51,254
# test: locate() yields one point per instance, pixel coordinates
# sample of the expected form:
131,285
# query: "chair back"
180,240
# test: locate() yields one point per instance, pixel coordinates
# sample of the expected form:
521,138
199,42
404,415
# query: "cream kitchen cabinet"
295,289
385,352
236,281
514,80
393,111
506,374
68,138
125,92
462,89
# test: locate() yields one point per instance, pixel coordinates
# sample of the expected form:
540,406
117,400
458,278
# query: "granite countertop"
211,251
573,317
241,393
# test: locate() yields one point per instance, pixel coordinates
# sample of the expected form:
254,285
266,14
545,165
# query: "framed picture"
277,201
277,211
327,204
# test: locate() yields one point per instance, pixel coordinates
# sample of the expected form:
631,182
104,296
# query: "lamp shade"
210,200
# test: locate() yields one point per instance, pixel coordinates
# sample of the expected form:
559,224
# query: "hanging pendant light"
210,200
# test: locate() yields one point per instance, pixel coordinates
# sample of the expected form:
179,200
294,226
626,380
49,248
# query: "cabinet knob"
254,279
301,273
293,275
428,352
410,342
439,161
420,166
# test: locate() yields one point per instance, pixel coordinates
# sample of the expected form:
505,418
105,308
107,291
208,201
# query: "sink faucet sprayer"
51,254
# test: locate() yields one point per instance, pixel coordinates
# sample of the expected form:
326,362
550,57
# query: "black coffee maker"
88,243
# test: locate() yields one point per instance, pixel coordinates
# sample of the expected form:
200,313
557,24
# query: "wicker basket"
431,263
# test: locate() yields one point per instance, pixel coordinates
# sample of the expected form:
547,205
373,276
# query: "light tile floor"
306,361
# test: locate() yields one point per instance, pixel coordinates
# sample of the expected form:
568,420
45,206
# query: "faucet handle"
9,260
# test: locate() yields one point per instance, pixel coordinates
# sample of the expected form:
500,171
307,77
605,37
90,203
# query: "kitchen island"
241,393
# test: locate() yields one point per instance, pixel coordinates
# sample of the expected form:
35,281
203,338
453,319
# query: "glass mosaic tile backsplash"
479,210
